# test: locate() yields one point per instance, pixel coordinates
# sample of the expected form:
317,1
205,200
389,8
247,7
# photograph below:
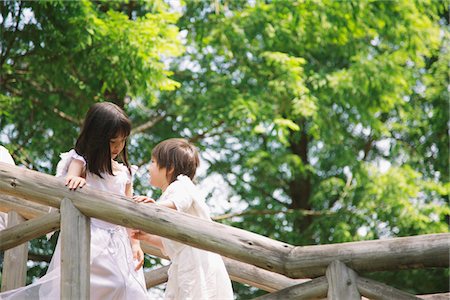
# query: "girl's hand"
138,255
143,199
74,182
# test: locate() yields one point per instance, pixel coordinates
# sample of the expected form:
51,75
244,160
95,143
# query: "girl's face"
158,177
116,145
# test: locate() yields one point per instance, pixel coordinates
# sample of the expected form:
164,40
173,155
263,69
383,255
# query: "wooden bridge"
286,271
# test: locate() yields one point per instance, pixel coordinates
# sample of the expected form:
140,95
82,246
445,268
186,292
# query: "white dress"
113,274
193,274
6,158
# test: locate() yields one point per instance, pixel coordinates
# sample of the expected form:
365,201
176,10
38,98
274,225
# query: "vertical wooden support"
341,282
75,252
15,262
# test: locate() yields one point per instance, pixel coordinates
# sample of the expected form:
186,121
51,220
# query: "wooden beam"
75,253
316,288
27,209
415,252
149,249
156,277
257,277
377,290
295,262
238,271
243,273
439,296
341,282
226,240
15,260
28,230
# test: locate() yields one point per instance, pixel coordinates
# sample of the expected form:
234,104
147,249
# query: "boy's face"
158,177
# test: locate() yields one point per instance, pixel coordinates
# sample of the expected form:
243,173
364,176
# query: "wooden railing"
250,258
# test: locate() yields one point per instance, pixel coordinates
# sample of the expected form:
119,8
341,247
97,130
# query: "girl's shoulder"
65,160
72,154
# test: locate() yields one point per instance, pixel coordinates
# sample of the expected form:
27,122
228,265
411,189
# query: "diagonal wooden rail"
40,222
295,262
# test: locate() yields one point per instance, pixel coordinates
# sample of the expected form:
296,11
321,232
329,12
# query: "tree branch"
13,40
148,125
202,135
66,117
266,194
254,212
39,257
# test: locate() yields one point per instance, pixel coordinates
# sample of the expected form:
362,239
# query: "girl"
114,274
193,273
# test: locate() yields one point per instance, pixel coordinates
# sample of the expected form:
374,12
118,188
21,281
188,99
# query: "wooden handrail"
28,230
296,262
27,209
47,222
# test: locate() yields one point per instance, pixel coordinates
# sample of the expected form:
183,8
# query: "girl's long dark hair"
103,122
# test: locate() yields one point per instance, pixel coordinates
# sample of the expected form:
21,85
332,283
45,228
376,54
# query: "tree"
328,120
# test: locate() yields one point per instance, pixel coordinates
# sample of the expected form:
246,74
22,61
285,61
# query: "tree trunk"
300,186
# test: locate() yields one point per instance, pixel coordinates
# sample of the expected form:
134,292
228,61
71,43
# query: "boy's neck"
164,187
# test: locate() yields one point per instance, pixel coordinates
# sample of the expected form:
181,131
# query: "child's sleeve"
66,159
180,196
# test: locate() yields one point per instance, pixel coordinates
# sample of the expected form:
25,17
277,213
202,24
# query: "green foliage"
338,118
59,57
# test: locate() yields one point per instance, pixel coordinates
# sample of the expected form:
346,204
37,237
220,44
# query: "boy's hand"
143,199
74,182
137,234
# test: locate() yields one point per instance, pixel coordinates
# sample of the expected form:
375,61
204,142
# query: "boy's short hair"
177,155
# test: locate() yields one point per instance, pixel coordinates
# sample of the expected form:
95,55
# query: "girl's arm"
75,175
138,254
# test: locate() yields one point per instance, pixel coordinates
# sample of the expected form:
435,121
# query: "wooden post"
15,262
341,282
75,252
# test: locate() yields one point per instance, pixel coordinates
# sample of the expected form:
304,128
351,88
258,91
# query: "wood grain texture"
15,259
380,291
415,252
295,262
75,252
314,289
28,230
239,272
341,282
27,209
